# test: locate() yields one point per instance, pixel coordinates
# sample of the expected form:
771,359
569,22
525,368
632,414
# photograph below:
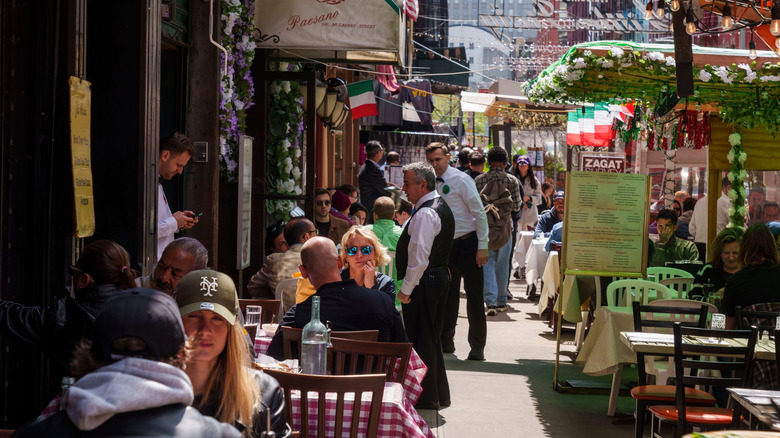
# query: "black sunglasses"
321,203
366,250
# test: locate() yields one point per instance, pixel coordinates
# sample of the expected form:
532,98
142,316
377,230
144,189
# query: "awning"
365,31
485,102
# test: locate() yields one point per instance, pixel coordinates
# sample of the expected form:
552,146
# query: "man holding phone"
175,151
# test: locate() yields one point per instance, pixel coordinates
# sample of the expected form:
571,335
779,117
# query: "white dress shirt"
423,227
698,224
463,199
166,223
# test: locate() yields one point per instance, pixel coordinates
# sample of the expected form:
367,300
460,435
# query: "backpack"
498,208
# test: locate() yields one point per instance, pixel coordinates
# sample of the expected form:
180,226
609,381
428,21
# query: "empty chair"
366,357
340,385
658,318
679,286
622,292
696,362
291,339
664,272
764,317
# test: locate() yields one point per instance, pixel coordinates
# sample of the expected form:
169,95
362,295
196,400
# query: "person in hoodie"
101,271
225,386
130,377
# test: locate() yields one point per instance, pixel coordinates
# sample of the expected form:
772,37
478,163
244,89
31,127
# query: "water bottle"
314,359
67,382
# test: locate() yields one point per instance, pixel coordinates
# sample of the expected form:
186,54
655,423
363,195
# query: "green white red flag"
592,125
362,101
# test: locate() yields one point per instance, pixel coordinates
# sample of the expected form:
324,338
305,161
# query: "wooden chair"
679,286
365,357
664,272
701,358
762,315
340,385
660,319
291,339
270,308
622,292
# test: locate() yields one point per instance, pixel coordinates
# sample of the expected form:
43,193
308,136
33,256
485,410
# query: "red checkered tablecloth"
412,381
398,418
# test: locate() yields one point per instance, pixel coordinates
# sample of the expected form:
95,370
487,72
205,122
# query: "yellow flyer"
81,158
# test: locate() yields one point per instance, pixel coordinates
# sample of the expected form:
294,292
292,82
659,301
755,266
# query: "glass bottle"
314,359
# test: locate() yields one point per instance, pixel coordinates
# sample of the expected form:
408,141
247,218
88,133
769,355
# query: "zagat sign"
548,17
603,163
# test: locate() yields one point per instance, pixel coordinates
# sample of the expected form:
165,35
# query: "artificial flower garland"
737,175
236,88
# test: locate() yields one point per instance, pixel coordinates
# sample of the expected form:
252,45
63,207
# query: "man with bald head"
346,305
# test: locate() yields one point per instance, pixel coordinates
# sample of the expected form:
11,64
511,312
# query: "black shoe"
502,308
445,403
509,295
448,347
476,355
517,275
427,405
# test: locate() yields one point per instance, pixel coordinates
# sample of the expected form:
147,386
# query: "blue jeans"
496,275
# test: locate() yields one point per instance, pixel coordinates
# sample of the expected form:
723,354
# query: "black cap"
148,314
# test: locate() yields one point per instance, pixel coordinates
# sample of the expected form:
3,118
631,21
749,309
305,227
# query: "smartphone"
196,216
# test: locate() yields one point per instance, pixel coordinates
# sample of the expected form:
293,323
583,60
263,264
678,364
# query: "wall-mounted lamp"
329,103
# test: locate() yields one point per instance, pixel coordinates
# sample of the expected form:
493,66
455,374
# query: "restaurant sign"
329,25
81,157
614,162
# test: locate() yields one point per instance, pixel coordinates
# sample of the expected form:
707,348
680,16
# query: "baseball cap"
523,159
206,289
558,194
148,314
774,227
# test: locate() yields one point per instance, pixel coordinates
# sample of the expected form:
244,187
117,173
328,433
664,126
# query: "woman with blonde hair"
225,386
724,263
361,253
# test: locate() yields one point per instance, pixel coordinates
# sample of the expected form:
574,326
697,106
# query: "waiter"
421,258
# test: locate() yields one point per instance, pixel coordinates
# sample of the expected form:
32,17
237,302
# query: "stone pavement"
511,394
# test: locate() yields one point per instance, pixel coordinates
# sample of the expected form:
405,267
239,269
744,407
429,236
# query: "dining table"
524,239
415,371
535,260
663,344
397,419
759,404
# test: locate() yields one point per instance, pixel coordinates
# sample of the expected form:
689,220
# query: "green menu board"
605,226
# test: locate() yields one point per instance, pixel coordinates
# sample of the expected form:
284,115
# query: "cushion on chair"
667,393
694,414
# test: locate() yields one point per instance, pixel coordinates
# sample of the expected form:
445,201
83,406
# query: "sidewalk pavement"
511,394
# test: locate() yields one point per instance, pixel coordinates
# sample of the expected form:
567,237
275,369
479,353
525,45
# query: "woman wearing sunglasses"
361,253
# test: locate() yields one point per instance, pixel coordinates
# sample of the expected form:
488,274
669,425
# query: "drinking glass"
777,323
718,322
253,315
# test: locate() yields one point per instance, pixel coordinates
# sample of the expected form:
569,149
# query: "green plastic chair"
622,292
663,273
679,286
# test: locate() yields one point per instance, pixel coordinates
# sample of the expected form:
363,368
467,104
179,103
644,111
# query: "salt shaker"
765,338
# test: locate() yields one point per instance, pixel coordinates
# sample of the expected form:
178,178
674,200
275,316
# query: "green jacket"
673,250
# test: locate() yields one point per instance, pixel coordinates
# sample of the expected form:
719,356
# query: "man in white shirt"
724,203
175,151
421,258
469,250
698,227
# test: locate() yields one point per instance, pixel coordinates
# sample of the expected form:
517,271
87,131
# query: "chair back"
285,292
622,292
270,308
388,269
697,363
762,315
291,339
658,318
664,272
679,286
676,302
367,357
340,385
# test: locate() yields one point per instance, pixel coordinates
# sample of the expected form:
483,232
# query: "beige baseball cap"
207,289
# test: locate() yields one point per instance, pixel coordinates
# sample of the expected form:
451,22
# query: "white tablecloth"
552,280
603,349
535,260
524,240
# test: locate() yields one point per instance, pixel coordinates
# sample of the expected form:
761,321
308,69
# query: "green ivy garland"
737,176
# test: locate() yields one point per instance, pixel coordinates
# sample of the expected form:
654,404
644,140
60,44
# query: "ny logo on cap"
208,286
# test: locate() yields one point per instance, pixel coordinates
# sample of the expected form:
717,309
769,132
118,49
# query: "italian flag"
590,126
361,99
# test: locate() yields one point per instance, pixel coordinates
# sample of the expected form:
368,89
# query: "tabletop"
412,384
759,403
398,418
663,344
733,434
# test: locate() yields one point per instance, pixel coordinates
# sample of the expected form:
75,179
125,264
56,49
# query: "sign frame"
244,236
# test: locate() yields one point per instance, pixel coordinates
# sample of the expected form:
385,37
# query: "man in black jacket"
371,180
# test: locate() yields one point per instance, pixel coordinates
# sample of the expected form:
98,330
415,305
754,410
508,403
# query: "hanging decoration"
737,176
236,88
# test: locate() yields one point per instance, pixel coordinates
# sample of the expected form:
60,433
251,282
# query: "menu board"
605,225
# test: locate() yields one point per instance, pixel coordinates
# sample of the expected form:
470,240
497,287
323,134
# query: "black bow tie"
440,179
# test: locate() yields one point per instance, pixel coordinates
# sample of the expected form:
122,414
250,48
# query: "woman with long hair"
757,281
101,270
532,194
361,253
724,263
225,386
547,202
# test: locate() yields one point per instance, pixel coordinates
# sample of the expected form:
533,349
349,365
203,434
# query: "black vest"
442,243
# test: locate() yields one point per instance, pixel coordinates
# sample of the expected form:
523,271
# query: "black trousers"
463,264
423,318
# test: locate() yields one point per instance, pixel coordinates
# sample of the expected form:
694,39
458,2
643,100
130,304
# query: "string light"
674,5
690,23
727,23
774,26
